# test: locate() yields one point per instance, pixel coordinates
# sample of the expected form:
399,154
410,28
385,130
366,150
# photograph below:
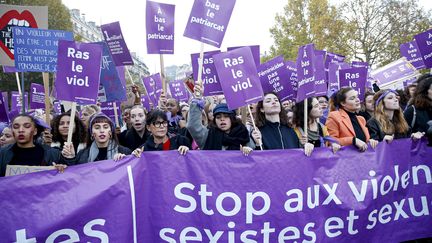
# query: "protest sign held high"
355,78
153,85
13,15
274,77
292,74
305,72
160,28
320,73
78,72
411,51
424,43
4,114
238,76
16,101
113,36
178,90
36,49
255,49
208,21
37,96
209,75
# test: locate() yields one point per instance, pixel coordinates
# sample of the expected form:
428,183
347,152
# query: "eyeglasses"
160,124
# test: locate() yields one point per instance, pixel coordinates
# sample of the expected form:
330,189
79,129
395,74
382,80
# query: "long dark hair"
421,99
260,116
79,136
298,119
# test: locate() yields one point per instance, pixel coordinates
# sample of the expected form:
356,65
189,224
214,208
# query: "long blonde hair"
389,127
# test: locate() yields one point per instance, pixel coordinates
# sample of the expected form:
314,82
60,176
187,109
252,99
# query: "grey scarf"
94,151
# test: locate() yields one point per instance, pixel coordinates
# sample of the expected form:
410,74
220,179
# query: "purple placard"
396,70
78,73
359,64
108,109
4,113
292,74
153,85
114,38
121,74
274,77
305,72
145,101
160,28
319,74
333,58
411,52
114,88
208,21
424,43
178,90
16,104
255,52
57,107
9,69
333,76
6,99
379,195
37,96
209,75
354,78
239,79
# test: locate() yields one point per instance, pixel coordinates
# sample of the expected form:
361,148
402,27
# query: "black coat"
277,136
132,140
175,143
82,156
421,118
376,133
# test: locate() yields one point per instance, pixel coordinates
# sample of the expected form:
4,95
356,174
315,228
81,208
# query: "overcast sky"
249,25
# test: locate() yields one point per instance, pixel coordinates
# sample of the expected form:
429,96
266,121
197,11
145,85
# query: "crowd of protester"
206,123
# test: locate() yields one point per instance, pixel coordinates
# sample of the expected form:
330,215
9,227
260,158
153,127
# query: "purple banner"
37,96
209,74
9,69
411,51
208,21
113,87
153,85
4,113
35,50
274,77
397,70
178,90
255,52
78,73
292,74
424,43
160,28
114,38
319,74
354,78
238,76
305,72
380,195
16,104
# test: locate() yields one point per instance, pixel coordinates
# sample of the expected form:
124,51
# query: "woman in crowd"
273,131
388,122
87,112
343,123
101,144
226,132
419,113
25,150
6,137
157,124
137,134
317,134
324,103
368,106
60,127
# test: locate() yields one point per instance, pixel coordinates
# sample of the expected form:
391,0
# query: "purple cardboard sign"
292,74
114,88
393,71
4,113
333,58
411,51
354,78
359,64
178,90
6,99
153,85
37,96
57,107
209,75
305,72
208,21
380,195
16,104
78,72
9,69
320,74
424,43
145,101
160,28
108,109
121,74
238,76
333,76
274,77
114,38
255,52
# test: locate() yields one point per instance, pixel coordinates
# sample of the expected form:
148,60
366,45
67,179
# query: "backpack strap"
414,116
